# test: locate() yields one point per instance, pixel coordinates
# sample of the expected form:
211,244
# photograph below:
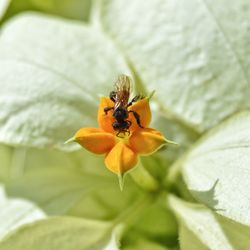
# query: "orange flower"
121,153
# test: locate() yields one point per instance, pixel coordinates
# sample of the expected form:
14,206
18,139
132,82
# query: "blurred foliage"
55,62
72,9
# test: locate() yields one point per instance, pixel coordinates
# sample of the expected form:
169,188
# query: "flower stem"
144,179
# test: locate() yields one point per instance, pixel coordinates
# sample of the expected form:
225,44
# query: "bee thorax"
120,114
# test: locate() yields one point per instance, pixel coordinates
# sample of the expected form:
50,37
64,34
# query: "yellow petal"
120,159
142,108
146,141
105,120
95,140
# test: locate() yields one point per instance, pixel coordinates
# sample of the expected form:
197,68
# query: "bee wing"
122,89
123,84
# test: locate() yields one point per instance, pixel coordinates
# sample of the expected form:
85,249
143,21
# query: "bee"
120,97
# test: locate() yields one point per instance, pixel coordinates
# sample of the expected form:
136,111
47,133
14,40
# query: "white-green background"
58,57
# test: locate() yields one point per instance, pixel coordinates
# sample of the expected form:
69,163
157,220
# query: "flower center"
123,137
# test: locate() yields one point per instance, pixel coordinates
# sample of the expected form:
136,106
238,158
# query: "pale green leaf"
5,156
188,239
56,190
217,170
15,212
154,228
59,183
114,242
62,233
202,229
193,53
3,6
74,9
144,244
52,72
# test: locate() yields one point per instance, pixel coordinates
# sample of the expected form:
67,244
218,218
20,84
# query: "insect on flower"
124,133
120,97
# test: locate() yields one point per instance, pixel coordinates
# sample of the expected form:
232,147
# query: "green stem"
144,179
173,174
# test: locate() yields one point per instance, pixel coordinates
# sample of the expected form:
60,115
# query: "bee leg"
137,118
135,99
129,123
107,109
112,96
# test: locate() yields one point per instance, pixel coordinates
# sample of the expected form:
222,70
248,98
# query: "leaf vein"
227,40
